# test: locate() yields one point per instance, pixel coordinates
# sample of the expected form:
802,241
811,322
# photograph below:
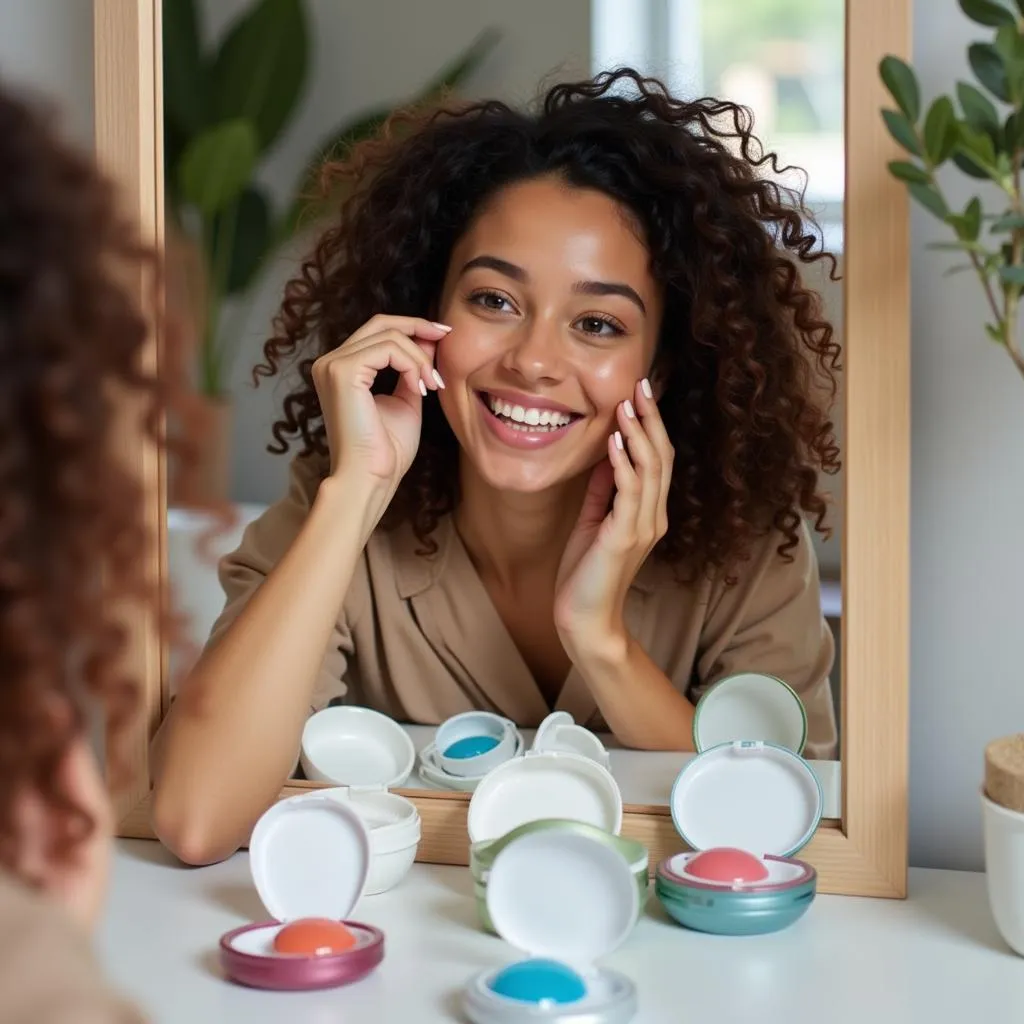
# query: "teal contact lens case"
744,808
564,899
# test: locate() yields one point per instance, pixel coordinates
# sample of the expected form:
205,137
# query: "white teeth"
549,419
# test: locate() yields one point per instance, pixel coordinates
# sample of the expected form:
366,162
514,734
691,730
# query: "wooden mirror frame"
864,853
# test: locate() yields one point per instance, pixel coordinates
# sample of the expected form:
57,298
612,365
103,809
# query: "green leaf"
902,131
929,197
972,216
1013,131
940,131
969,166
987,12
989,69
979,110
900,80
906,171
261,67
1007,222
1012,275
958,269
251,241
996,332
979,146
217,164
186,80
1010,47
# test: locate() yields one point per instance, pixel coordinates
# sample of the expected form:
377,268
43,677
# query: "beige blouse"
418,638
48,972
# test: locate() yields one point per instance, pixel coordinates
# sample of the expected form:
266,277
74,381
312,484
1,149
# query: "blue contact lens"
471,746
535,981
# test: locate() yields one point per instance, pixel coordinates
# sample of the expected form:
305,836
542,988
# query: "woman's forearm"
232,735
636,699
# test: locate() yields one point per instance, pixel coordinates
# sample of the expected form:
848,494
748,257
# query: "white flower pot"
1004,870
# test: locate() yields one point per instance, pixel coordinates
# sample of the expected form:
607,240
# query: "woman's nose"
535,353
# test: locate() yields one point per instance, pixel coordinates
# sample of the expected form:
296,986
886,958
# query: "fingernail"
423,388
437,377
628,406
441,327
618,441
645,387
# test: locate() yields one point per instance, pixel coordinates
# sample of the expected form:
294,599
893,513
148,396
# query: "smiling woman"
562,410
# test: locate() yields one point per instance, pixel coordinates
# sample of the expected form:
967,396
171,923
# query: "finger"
650,416
360,368
600,488
647,461
627,493
410,326
421,351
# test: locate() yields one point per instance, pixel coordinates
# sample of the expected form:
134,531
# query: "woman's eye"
493,301
599,326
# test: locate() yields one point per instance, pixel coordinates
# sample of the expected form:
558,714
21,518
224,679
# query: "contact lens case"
482,856
744,808
309,859
543,785
348,745
750,706
470,744
565,900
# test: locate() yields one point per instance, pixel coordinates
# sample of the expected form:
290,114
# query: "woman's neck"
514,538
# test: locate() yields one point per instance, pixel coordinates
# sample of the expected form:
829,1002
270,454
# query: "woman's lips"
522,435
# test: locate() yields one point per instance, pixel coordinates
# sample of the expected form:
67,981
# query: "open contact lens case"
472,743
750,706
560,732
309,858
565,900
346,745
740,799
540,785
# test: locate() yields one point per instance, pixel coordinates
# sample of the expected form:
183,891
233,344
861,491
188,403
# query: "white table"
933,958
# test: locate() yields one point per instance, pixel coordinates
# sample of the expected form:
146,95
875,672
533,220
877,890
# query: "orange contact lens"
313,936
725,864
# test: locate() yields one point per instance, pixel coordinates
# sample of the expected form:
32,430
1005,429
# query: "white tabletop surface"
932,958
646,776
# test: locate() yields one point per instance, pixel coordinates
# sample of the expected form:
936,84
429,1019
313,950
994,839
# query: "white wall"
967,551
968,444
47,45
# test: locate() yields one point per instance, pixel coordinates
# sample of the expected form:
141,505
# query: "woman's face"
554,316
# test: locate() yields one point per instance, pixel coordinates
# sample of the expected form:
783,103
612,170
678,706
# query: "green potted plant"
226,106
980,131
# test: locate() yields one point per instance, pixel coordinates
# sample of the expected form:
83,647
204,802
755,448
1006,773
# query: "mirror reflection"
531,409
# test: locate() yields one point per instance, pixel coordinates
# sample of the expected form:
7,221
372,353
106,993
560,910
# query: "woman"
559,430
72,549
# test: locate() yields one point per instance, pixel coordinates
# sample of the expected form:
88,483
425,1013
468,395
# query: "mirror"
786,64
793,65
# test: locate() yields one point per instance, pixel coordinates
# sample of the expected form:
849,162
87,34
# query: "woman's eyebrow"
517,273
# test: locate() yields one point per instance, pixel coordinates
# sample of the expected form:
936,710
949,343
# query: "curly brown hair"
745,356
75,370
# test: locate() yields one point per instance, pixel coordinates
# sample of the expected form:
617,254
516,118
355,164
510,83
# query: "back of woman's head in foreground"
73,340
745,358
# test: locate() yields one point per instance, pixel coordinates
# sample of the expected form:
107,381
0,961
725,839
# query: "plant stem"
223,244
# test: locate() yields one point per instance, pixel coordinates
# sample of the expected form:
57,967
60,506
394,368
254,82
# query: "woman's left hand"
606,549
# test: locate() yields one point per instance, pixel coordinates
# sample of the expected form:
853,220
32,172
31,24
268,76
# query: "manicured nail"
627,405
645,387
423,388
437,377
441,327
618,441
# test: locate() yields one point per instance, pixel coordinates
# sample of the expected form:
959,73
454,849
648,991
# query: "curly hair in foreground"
74,545
745,356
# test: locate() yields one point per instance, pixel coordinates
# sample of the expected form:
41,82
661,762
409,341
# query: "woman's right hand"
377,435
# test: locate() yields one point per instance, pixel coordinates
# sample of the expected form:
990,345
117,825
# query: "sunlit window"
781,58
